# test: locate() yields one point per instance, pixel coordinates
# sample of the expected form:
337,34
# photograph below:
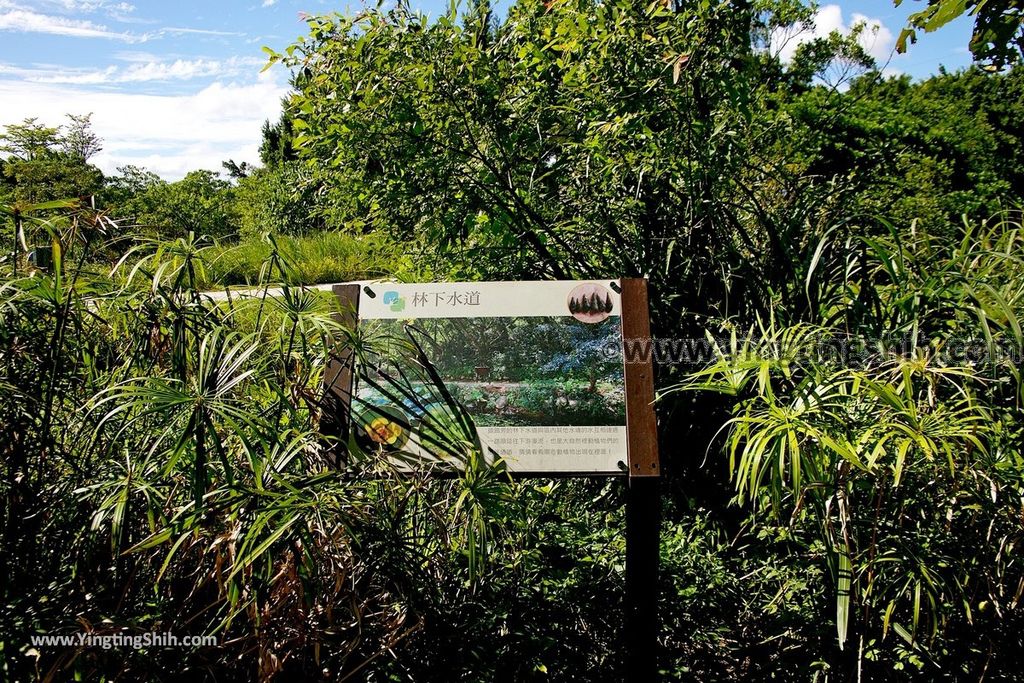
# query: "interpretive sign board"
538,365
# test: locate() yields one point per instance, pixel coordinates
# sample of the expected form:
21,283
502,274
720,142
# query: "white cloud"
170,135
142,71
87,6
18,18
268,3
180,69
199,31
79,77
875,38
27,21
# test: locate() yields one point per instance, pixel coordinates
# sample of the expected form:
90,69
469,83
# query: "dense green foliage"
278,199
201,203
929,151
843,470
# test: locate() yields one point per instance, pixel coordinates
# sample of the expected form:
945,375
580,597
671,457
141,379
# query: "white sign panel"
538,366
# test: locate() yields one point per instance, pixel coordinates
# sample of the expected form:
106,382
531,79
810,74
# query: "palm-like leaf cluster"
902,452
166,444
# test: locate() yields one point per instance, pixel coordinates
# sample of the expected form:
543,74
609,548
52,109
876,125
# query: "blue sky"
176,85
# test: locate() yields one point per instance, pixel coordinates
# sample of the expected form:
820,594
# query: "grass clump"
314,259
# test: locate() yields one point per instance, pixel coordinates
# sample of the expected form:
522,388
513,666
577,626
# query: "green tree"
78,140
237,171
201,203
276,147
280,199
42,164
129,184
28,140
571,139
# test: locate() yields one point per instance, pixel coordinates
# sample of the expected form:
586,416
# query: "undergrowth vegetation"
886,426
165,469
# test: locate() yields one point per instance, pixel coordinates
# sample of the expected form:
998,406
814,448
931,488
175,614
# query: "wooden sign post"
600,327
339,375
643,500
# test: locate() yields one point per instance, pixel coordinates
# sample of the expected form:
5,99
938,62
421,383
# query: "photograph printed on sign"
536,367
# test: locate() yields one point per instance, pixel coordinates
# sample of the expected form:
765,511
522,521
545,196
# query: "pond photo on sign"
523,371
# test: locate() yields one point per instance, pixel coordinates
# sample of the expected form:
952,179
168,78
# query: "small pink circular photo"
590,302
